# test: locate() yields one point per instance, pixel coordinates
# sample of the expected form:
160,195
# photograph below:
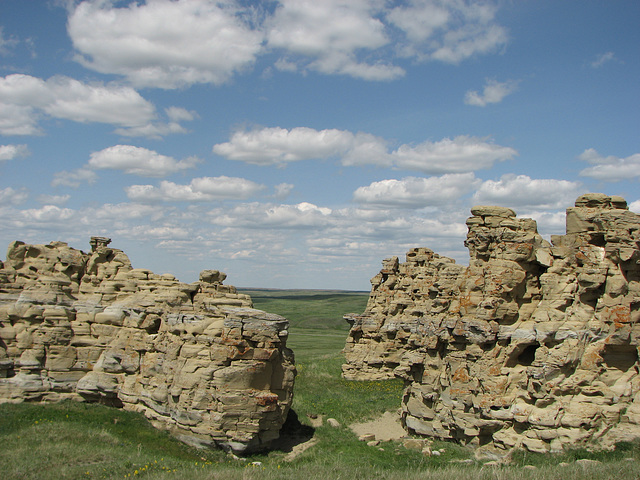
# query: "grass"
310,309
80,441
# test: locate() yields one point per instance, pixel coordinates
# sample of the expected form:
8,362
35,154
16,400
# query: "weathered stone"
532,345
196,359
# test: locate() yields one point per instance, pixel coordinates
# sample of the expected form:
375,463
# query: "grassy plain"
80,441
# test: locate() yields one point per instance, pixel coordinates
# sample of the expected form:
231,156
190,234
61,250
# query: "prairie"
79,441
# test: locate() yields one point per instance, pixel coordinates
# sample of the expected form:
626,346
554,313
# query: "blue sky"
297,143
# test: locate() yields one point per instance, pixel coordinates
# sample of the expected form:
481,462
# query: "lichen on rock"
196,359
533,345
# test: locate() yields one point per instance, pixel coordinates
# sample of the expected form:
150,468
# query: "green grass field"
80,441
310,309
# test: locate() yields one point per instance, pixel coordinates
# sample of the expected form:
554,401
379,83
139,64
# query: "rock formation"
532,345
196,359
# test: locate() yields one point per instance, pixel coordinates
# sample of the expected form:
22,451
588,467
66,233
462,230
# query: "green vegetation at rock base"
80,441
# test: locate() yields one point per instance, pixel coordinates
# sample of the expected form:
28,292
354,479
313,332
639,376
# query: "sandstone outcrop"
533,345
196,358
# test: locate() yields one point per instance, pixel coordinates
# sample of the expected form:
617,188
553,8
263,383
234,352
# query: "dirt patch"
385,428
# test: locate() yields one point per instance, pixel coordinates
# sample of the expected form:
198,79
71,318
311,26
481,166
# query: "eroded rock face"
533,345
196,359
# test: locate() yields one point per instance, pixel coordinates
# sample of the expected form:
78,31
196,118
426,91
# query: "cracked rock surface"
196,359
533,345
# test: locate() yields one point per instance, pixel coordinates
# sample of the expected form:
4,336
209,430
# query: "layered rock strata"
196,358
533,345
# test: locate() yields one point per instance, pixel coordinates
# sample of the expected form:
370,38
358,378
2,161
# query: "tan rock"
538,336
196,359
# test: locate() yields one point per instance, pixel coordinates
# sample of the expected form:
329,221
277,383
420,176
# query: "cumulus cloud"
635,206
260,216
493,92
610,169
460,154
524,191
17,119
25,99
203,189
11,196
74,178
9,152
139,161
412,192
179,114
283,190
171,44
47,214
331,33
447,31
165,44
53,199
319,242
278,146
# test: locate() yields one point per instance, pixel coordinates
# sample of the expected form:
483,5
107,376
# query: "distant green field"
81,441
310,309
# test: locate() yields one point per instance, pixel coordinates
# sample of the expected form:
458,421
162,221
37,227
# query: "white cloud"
74,178
283,190
53,199
493,92
523,191
447,31
610,169
89,103
48,214
367,149
603,58
330,33
179,114
420,20
549,222
359,37
171,44
25,98
278,146
9,152
160,232
18,120
110,213
203,189
260,216
412,192
151,130
163,43
139,161
635,207
6,44
461,154
11,196
344,244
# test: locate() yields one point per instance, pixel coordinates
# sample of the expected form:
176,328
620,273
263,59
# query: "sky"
298,143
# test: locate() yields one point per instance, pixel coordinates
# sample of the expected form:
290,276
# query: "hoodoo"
533,345
196,359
